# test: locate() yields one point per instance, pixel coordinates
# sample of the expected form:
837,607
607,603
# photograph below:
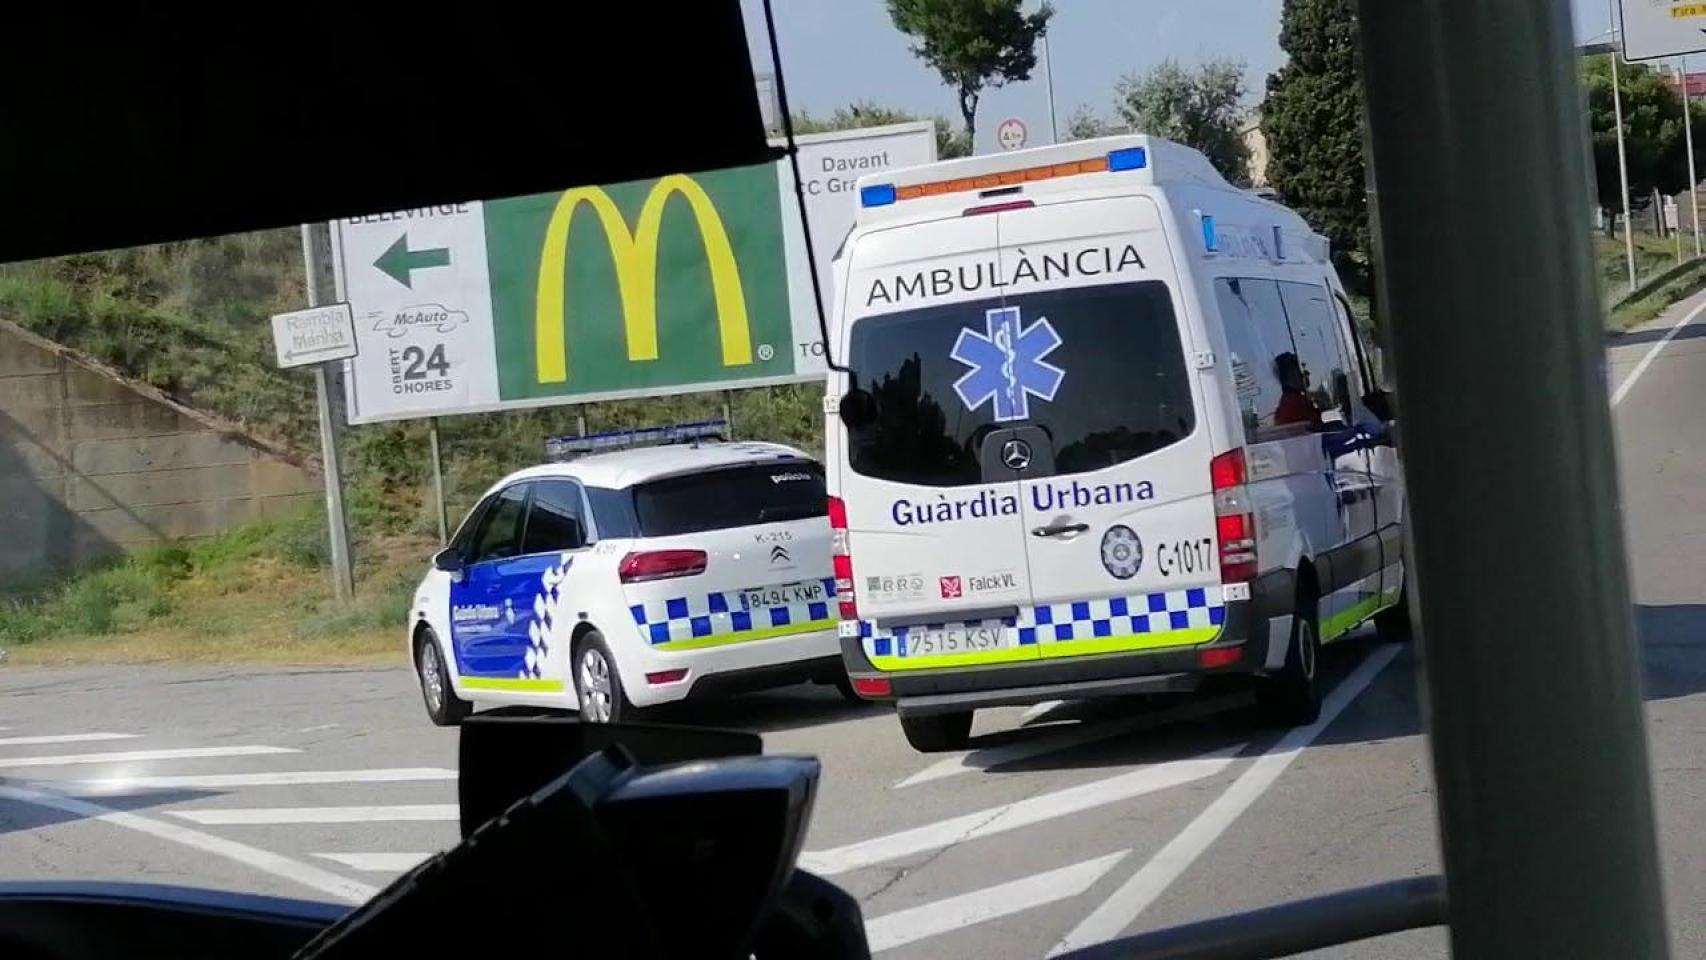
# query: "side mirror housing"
858,408
448,560
1379,403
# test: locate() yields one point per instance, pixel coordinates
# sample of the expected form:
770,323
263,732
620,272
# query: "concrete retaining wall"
92,465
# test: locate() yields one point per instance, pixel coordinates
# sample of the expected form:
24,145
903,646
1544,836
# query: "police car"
624,579
1105,427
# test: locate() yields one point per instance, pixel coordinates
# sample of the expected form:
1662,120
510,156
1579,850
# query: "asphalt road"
1063,825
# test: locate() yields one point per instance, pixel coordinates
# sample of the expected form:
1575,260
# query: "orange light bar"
1006,178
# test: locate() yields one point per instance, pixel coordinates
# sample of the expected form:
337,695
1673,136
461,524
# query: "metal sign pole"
316,259
1531,684
438,482
1622,158
1693,180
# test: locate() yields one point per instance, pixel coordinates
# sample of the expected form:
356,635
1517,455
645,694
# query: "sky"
835,52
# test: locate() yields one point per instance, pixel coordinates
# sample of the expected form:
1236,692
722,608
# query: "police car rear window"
733,497
1099,369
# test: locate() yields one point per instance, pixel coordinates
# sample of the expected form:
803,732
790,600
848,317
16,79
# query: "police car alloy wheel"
443,706
597,683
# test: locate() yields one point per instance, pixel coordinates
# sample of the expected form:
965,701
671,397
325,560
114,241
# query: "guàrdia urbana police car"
1106,428
634,577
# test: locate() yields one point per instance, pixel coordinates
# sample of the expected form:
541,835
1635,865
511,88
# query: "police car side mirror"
858,408
448,560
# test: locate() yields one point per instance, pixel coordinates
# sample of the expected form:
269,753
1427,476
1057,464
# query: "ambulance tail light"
841,561
645,565
1234,524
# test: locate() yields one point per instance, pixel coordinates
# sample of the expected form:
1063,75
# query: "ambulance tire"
937,732
596,677
1290,698
1392,625
443,706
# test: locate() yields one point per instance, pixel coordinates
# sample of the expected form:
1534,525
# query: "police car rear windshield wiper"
793,511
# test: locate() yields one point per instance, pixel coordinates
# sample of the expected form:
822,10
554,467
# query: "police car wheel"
1290,698
597,684
938,731
443,706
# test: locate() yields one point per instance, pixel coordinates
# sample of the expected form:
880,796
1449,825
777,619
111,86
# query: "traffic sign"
1653,29
1011,134
315,335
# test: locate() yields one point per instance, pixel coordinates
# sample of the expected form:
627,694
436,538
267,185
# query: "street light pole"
1688,134
1622,158
1048,81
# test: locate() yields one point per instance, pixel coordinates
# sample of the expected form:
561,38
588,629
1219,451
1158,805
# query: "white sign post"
1654,29
315,335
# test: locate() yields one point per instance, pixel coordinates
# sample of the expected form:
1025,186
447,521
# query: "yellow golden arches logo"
635,256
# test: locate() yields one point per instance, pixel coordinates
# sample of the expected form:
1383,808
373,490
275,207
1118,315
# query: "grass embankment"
1652,256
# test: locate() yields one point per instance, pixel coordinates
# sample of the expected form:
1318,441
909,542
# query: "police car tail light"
645,565
1234,524
841,560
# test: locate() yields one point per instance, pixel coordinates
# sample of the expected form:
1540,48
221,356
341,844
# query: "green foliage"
950,142
1312,119
119,596
973,44
1200,107
1653,136
1086,124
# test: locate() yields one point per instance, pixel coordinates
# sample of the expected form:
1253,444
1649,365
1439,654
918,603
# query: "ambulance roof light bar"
1115,161
559,449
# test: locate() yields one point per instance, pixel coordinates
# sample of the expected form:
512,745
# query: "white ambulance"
1105,427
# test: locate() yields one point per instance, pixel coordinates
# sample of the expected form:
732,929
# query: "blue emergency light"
876,195
1208,241
1129,158
562,448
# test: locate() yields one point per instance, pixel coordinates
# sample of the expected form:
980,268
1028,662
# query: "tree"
950,143
1086,124
973,44
1201,108
1653,138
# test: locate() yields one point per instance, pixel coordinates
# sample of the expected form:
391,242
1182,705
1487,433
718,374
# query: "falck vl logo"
1007,364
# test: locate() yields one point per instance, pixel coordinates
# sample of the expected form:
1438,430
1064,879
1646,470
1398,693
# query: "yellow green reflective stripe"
940,661
512,684
1190,636
742,636
1340,623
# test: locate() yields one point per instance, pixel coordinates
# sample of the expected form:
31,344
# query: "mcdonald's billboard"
685,283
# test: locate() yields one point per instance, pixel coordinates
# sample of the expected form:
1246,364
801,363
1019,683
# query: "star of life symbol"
1007,364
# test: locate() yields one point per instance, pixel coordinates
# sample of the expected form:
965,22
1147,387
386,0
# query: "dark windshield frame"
651,520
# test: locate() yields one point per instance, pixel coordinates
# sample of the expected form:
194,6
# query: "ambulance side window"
1320,349
499,535
1264,360
556,521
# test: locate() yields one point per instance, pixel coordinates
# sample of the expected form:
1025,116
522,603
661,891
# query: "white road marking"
265,861
1038,710
64,738
1121,909
143,756
222,781
1023,813
1647,360
263,816
377,862
953,913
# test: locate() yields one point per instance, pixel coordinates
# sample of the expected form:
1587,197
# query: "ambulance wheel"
1290,698
1392,625
443,706
598,686
938,731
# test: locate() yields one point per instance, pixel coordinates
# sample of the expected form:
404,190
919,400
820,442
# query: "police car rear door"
934,525
1115,489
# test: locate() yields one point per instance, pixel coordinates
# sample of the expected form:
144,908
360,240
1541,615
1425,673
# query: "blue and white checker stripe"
697,616
1147,613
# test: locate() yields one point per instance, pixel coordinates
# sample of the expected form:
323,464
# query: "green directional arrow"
398,261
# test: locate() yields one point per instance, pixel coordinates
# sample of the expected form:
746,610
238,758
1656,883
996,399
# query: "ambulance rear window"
741,496
1113,387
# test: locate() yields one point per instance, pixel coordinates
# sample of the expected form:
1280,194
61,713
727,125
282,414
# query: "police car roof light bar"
558,449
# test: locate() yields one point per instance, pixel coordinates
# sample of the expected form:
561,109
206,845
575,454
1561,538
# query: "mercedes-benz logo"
1016,454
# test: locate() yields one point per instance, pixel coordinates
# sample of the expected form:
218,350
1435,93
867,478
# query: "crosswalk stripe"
139,756
376,862
263,816
1023,813
953,913
285,778
63,738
